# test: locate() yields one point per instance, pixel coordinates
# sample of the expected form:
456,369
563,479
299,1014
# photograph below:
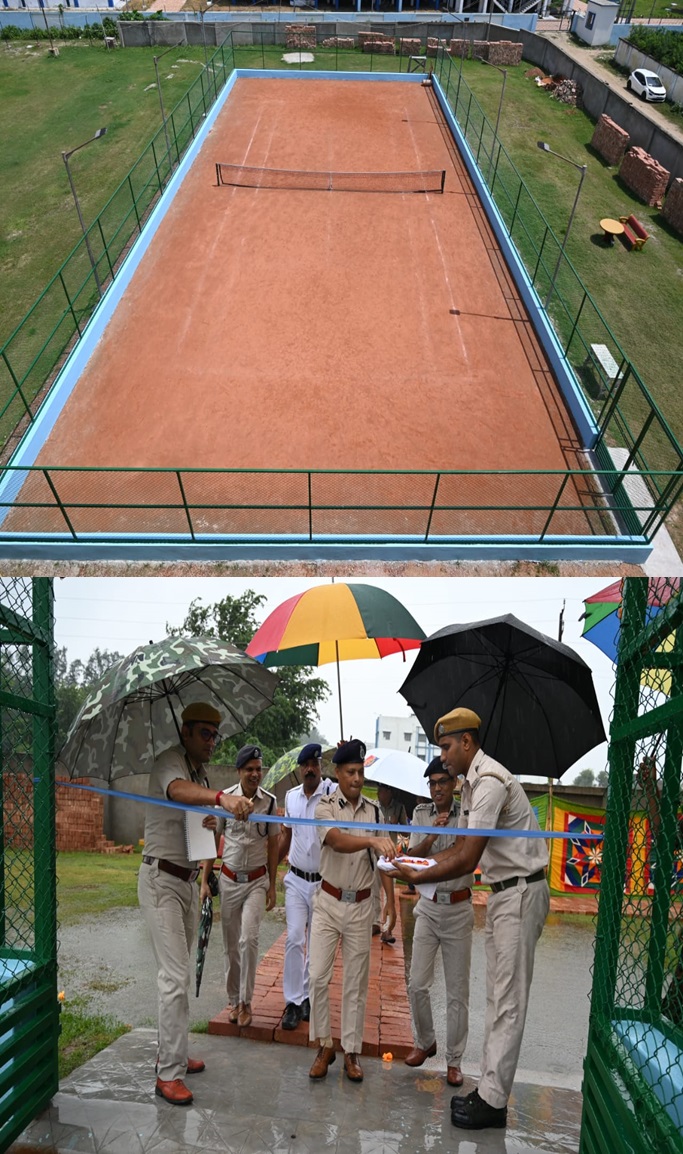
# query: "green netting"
633,1084
29,1013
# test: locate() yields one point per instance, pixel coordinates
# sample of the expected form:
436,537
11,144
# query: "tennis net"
244,176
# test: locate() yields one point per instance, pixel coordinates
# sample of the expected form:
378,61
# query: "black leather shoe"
473,1113
305,1008
291,1016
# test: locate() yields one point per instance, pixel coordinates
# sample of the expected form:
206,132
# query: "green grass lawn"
66,99
90,883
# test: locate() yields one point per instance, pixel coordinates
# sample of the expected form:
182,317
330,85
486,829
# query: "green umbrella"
287,764
132,714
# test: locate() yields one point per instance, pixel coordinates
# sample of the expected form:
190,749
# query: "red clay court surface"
301,329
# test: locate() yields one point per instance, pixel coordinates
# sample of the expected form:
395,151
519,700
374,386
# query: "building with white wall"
404,733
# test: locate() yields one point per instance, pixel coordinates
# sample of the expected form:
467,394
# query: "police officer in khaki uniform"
442,922
166,889
392,812
342,910
515,869
247,883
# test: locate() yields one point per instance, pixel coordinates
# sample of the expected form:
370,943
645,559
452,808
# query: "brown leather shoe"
233,1013
454,1076
244,1016
323,1060
195,1065
352,1068
418,1057
175,1092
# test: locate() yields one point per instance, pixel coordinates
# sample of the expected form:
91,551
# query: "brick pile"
458,47
339,42
568,92
79,819
433,45
410,47
610,140
300,36
366,37
17,799
644,175
504,53
673,205
381,47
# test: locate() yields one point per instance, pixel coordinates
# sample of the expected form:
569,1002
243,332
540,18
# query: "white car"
647,85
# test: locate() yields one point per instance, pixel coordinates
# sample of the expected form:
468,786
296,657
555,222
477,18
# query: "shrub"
664,47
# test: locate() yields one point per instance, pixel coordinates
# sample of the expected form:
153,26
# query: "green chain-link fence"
633,1074
29,1010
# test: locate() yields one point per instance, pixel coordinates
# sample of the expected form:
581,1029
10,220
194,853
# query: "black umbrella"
205,924
535,696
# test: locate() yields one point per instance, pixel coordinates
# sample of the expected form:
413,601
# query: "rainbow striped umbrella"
602,616
335,622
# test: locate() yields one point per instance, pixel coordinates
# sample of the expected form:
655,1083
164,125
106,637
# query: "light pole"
53,51
202,12
582,168
504,74
161,100
65,157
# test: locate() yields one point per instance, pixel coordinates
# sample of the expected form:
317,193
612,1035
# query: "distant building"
404,733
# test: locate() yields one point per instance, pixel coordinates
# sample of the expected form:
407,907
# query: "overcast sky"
121,613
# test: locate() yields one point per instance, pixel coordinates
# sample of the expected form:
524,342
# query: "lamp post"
202,12
65,157
53,51
504,74
161,101
582,168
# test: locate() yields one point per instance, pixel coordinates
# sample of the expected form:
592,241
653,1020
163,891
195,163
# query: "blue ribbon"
264,817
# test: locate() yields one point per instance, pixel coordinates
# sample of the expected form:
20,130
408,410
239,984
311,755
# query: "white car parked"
647,85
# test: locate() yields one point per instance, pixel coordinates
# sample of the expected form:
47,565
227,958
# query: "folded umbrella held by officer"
166,886
515,868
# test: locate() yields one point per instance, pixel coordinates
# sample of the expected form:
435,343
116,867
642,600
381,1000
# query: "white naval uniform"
170,907
493,799
243,903
440,925
304,855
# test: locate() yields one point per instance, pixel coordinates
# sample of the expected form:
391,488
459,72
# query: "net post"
443,178
218,175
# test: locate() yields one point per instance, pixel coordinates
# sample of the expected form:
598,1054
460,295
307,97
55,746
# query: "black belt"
169,867
302,874
497,887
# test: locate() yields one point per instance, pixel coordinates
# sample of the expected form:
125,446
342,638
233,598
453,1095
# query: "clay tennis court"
294,329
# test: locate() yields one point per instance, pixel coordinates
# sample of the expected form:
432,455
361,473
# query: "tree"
602,779
585,777
295,705
73,681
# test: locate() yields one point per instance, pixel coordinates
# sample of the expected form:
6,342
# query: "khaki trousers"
352,924
448,928
243,905
170,909
514,923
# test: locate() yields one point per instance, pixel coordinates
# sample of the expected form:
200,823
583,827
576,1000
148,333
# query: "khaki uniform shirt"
493,799
394,814
347,871
245,844
165,827
426,815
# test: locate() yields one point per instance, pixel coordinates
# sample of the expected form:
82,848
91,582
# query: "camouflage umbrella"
205,924
133,712
286,765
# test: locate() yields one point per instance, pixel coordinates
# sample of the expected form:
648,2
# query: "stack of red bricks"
376,42
339,42
410,47
610,140
504,53
17,801
387,1017
673,206
644,175
79,820
433,45
300,36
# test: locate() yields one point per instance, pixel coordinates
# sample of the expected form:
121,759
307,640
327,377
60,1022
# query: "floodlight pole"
47,28
582,168
504,74
202,13
161,100
65,157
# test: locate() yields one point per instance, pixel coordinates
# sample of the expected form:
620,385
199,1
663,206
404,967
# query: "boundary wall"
631,57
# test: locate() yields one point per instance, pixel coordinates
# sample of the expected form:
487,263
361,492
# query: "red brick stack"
17,797
644,175
378,46
300,36
502,52
433,45
610,140
673,205
339,42
80,820
410,47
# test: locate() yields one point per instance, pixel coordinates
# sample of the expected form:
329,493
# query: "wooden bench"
600,356
634,233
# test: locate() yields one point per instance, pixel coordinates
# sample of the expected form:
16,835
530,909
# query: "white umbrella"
398,769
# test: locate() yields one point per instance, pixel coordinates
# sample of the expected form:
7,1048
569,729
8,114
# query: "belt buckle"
348,896
242,877
443,899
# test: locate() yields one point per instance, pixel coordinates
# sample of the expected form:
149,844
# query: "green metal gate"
633,1073
29,1010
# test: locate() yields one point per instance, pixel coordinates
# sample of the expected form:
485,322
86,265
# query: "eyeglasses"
434,783
210,735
